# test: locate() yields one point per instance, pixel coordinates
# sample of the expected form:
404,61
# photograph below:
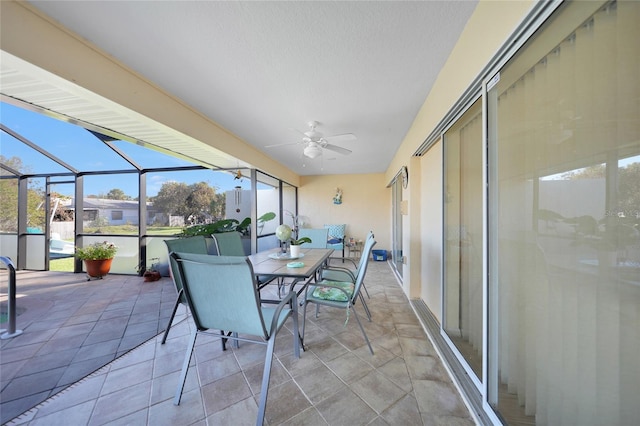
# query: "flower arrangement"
285,234
97,251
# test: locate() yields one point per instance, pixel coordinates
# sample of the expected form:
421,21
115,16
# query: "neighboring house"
115,212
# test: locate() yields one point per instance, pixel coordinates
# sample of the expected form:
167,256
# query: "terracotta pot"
151,276
98,268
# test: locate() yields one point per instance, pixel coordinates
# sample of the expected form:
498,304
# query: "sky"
78,148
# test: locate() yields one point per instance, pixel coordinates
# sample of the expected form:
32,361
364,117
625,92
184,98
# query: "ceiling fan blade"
282,144
297,131
345,137
338,149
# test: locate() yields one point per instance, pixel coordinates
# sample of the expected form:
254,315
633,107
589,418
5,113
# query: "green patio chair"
340,294
230,244
342,273
196,244
221,294
318,237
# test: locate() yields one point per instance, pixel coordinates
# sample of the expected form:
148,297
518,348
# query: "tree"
194,202
117,194
218,206
629,190
172,198
592,172
198,202
9,200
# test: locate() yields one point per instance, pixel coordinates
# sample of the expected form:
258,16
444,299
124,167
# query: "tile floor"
336,381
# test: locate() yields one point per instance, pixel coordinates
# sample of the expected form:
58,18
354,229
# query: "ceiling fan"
314,142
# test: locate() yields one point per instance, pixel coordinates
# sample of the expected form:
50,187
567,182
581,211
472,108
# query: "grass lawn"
61,265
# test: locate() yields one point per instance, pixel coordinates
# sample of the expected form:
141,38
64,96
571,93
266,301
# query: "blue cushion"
336,231
334,241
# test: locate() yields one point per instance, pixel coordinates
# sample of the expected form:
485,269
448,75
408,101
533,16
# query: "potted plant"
97,258
151,273
226,225
285,234
295,245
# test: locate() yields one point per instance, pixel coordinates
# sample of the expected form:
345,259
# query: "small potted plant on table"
97,258
284,233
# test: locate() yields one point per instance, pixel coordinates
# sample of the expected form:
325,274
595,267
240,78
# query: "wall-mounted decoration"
337,199
405,176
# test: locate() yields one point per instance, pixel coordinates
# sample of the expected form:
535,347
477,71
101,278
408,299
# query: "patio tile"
336,380
91,387
225,392
127,400
190,411
377,391
284,402
240,413
83,368
77,415
438,398
32,384
132,375
403,412
349,367
344,407
319,383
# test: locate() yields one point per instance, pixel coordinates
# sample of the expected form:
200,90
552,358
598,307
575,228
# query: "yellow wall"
366,204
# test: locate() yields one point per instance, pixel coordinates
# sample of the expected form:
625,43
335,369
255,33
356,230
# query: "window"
396,253
89,215
116,215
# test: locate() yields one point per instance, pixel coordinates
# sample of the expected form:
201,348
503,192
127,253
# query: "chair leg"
297,340
185,367
265,381
364,305
304,318
366,291
173,314
362,328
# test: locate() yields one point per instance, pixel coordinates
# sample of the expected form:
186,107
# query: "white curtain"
568,326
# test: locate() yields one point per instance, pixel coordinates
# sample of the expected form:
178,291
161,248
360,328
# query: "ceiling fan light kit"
312,150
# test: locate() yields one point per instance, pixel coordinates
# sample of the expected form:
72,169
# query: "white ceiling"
262,69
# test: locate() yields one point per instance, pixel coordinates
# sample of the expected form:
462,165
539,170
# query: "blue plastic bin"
379,255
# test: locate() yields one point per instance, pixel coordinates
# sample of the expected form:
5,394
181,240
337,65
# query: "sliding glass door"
564,233
463,181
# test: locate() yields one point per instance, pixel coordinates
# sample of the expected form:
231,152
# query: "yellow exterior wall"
366,204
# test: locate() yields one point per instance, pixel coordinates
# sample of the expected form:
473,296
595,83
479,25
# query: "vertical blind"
567,285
